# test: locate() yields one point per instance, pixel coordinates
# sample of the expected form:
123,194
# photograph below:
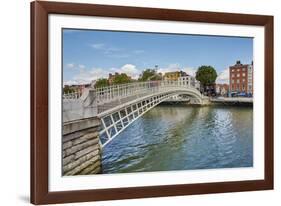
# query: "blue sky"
92,54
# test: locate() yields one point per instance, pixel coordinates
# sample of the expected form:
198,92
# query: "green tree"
207,76
67,89
102,82
121,79
150,74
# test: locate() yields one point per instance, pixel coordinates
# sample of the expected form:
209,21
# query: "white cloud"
177,67
87,76
170,68
81,66
105,48
130,70
174,67
70,82
109,50
190,71
75,66
223,77
70,65
98,46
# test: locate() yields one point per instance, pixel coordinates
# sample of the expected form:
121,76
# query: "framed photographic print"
131,102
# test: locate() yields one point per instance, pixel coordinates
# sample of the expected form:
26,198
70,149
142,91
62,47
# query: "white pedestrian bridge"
118,106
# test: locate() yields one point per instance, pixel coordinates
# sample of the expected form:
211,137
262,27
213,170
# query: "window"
232,81
244,74
243,87
238,70
243,69
233,75
232,70
243,80
237,81
238,75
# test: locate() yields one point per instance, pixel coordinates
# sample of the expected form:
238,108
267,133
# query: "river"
181,137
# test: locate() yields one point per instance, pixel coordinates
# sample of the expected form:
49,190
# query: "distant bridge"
118,106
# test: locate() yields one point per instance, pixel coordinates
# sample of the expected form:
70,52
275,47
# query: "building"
77,88
174,75
183,78
189,81
111,77
222,89
241,78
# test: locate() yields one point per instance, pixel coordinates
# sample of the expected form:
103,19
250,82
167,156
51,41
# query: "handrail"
108,93
73,95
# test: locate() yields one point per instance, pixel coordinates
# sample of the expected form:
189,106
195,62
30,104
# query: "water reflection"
182,138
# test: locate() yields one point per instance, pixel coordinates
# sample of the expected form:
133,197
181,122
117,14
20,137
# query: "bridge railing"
72,95
108,93
125,90
95,101
105,94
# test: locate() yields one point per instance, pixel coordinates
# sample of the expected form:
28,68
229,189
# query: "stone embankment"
80,147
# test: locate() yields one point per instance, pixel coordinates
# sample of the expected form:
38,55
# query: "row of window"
243,69
243,88
237,81
238,75
238,88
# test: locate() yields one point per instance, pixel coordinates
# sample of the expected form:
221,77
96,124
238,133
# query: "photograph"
138,102
132,102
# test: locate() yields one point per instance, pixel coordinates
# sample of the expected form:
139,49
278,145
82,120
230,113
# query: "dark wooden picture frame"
39,102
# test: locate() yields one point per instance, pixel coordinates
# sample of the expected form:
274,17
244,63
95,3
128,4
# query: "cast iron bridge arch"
118,106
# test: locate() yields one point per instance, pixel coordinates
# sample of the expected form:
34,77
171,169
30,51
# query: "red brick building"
241,78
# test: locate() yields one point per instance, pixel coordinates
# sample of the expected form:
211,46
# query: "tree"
121,79
67,89
207,76
150,74
102,82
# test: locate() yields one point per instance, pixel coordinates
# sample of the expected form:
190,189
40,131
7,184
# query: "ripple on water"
180,138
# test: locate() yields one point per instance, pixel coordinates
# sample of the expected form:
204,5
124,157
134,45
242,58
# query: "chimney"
238,62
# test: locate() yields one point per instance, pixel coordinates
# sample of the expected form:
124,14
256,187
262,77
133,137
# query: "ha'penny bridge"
91,120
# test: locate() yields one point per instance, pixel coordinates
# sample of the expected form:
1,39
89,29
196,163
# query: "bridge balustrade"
106,94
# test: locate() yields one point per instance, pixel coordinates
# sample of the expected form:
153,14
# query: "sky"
91,54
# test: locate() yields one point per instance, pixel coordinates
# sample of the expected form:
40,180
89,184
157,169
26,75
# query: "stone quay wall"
81,149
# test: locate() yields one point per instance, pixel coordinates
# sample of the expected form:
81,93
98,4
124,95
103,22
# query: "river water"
183,138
